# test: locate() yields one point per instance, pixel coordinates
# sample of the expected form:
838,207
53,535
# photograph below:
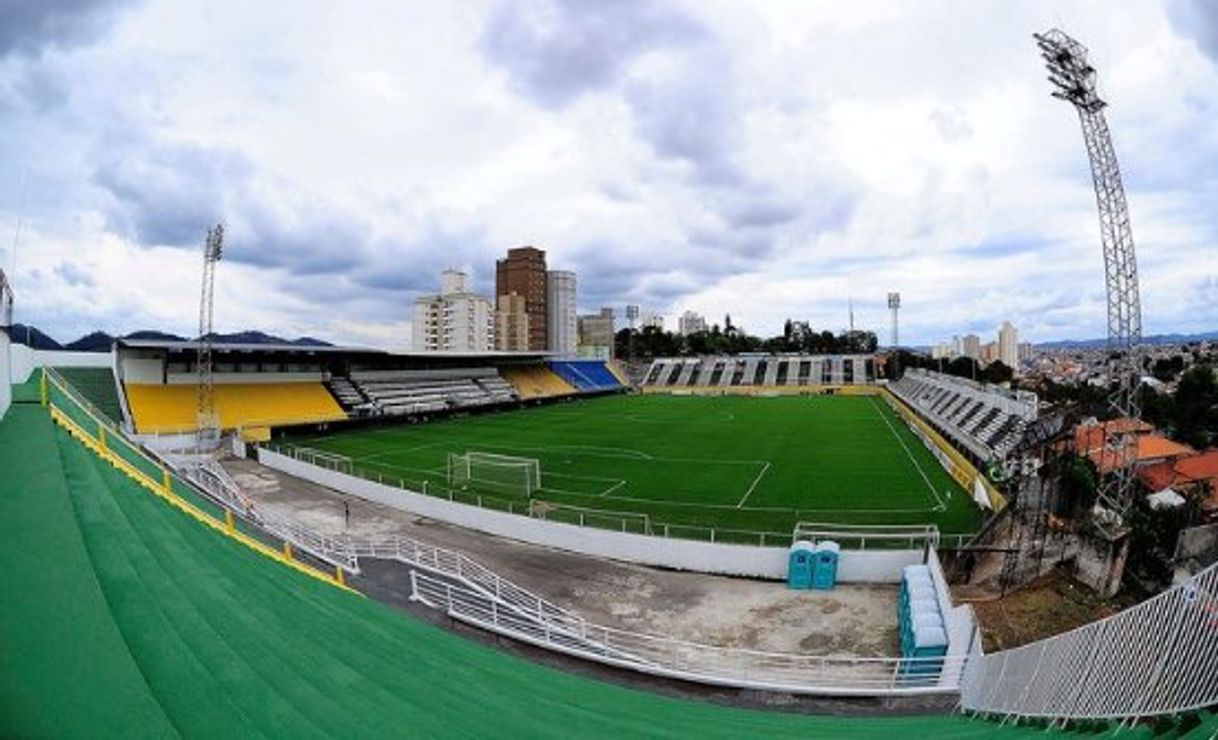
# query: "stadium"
216,535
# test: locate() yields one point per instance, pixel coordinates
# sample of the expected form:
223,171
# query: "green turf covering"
757,464
28,392
122,617
97,385
65,669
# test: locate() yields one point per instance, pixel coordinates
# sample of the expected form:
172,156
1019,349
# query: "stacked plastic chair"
923,628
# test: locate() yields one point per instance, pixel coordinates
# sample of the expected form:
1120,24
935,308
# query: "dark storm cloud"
169,194
28,26
416,264
554,52
691,117
1198,20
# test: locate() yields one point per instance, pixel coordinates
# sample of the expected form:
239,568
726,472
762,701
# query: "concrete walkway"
856,620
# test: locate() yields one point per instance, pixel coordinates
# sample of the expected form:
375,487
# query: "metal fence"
859,537
710,664
538,508
1159,657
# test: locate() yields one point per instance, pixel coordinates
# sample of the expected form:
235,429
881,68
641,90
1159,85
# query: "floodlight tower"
1075,81
894,304
213,247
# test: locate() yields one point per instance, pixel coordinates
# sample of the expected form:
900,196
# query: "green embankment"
121,616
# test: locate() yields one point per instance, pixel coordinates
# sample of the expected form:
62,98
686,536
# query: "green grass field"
733,463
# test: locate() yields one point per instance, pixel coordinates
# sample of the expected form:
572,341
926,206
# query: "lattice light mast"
894,304
213,248
1075,81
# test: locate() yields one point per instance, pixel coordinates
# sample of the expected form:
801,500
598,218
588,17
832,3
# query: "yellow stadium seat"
536,381
173,408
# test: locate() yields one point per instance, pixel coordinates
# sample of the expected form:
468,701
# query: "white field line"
783,509
941,504
614,487
764,469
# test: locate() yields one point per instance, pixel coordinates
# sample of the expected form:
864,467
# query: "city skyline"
353,177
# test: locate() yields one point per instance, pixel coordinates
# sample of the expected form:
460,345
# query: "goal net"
618,521
504,473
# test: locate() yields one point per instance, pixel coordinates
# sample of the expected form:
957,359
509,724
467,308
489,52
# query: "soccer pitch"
733,463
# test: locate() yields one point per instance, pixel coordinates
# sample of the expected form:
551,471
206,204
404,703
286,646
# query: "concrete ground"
852,620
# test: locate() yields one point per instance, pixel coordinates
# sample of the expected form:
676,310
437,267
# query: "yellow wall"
965,472
535,381
170,408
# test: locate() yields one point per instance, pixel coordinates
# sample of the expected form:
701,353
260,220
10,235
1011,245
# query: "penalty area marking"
941,504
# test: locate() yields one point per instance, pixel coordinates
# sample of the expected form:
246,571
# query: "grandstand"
535,381
161,409
403,392
587,376
135,619
984,420
778,373
264,386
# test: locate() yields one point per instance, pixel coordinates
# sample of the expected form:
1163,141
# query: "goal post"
504,473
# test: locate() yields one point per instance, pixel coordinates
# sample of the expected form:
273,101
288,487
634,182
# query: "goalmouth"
505,473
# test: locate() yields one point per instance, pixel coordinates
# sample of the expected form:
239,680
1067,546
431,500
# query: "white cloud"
767,161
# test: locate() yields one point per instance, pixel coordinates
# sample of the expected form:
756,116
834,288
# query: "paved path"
732,612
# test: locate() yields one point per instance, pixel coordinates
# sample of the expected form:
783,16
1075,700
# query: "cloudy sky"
763,159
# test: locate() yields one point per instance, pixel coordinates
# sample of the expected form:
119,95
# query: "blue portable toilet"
799,565
824,568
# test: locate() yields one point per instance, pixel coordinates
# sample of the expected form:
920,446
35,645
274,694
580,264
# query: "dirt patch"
1046,606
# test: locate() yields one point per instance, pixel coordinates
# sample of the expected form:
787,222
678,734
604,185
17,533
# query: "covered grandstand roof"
170,345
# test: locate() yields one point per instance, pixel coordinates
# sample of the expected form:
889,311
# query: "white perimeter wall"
25,360
6,384
963,636
876,566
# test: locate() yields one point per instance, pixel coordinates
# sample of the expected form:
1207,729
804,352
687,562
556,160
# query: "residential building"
562,324
970,346
511,323
941,351
454,320
596,334
1025,352
691,323
523,272
988,353
652,319
1008,345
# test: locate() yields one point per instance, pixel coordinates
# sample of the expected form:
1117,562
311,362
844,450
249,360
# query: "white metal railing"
711,664
878,536
1159,657
478,577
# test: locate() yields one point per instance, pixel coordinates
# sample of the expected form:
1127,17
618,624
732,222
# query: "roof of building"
1199,467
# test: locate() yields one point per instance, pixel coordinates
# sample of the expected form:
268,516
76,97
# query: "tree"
1196,407
1078,484
996,372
